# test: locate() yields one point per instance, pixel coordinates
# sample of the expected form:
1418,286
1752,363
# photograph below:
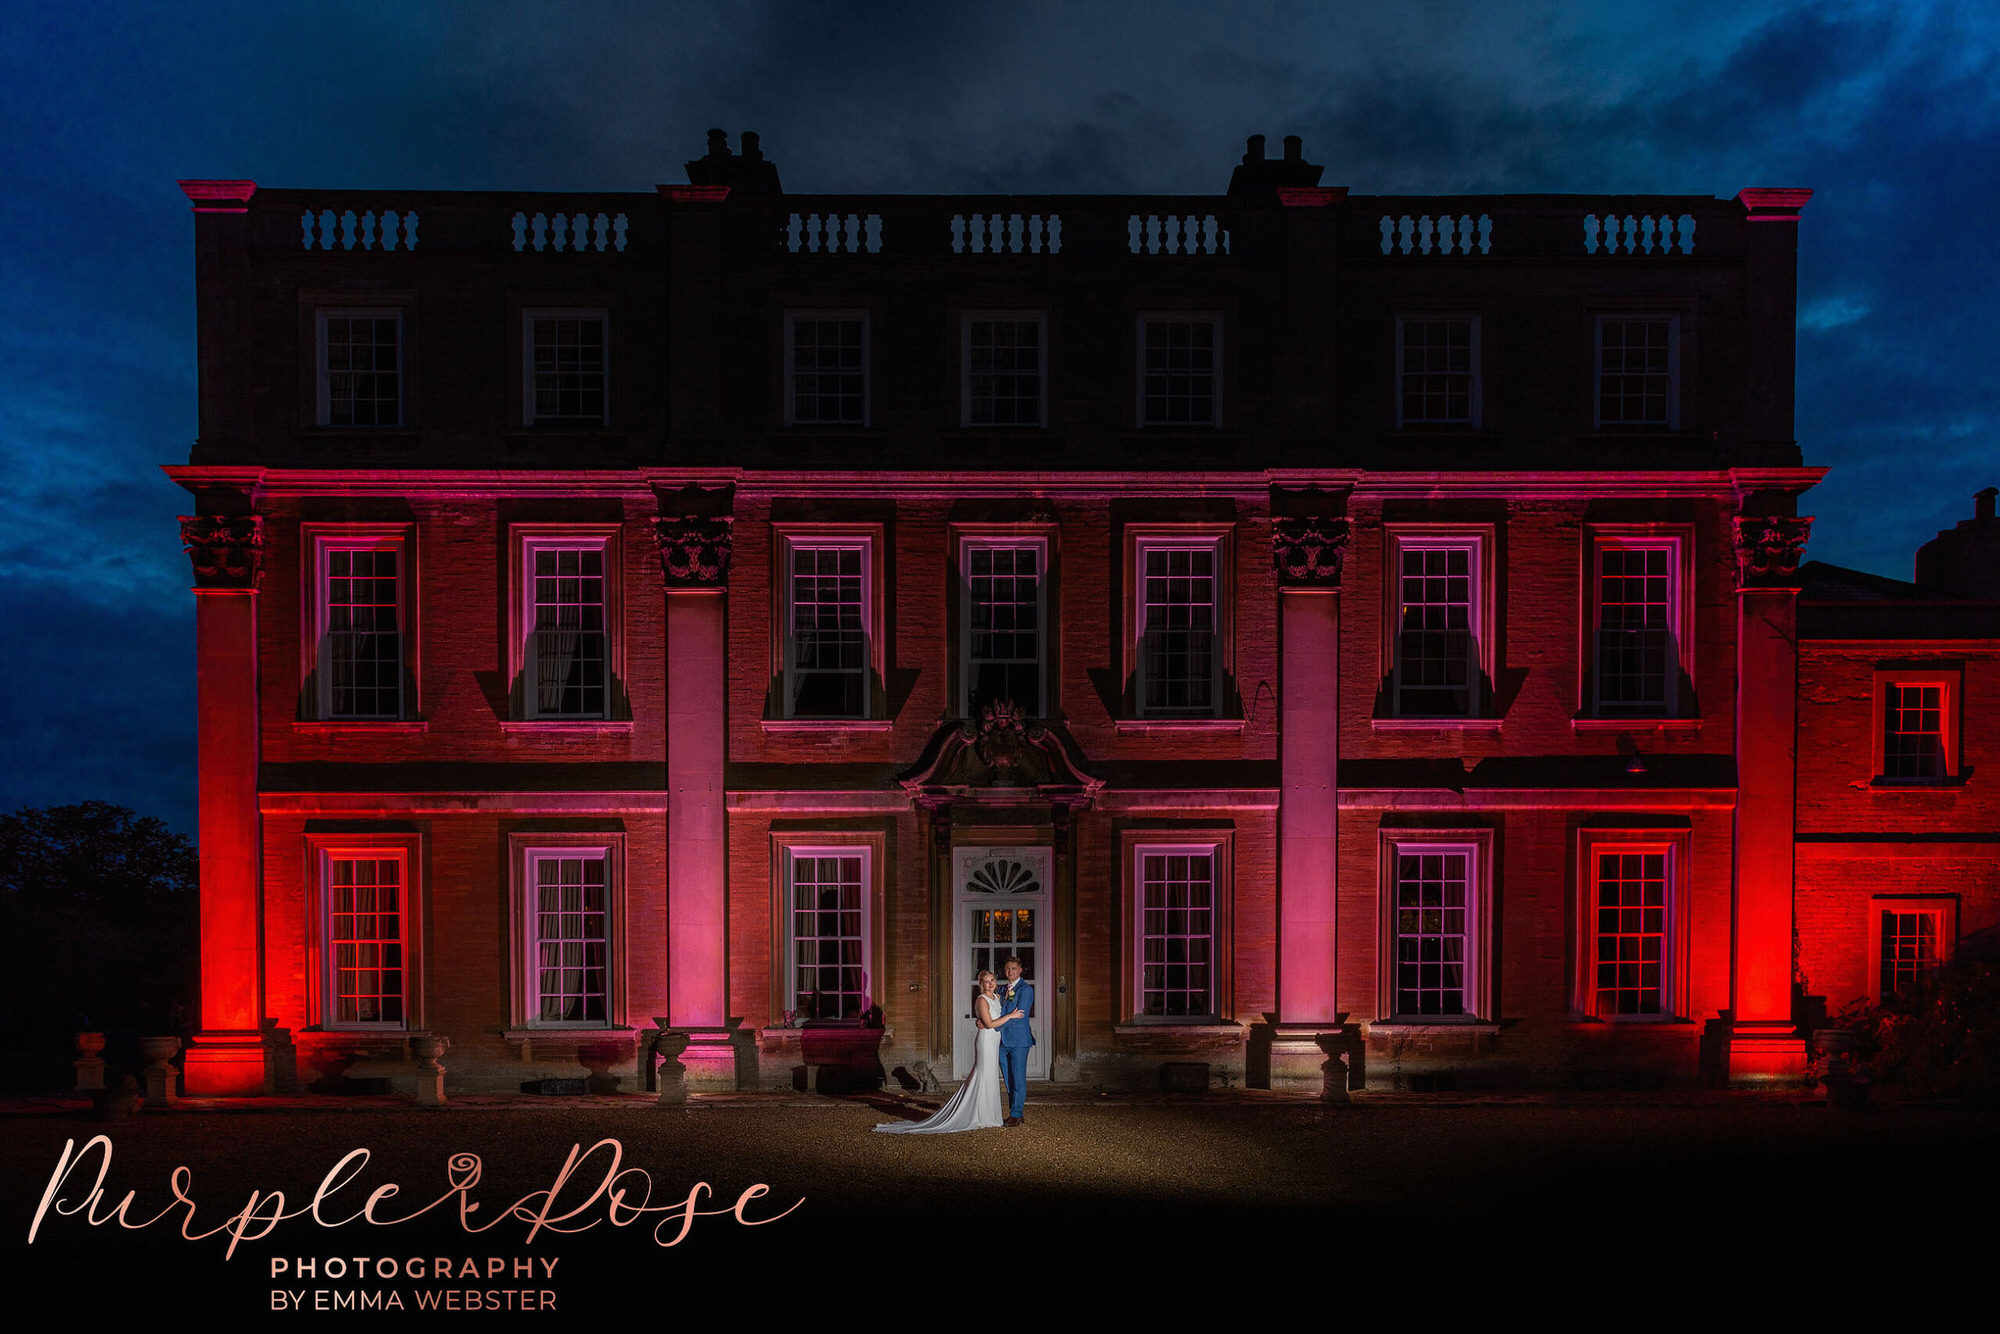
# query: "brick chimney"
1964,562
1258,175
745,173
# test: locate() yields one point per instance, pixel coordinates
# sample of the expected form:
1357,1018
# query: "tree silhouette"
100,913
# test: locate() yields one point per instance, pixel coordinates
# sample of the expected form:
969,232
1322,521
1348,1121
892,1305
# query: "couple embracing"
1001,1013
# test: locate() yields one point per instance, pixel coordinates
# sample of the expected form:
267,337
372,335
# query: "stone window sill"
1434,724
362,726
1177,726
826,724
1226,1031
1417,1029
566,727
1635,724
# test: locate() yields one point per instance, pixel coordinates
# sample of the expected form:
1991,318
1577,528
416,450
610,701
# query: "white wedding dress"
977,1104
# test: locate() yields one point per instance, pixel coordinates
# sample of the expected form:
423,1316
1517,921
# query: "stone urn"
162,1080
430,1075
669,1047
89,1062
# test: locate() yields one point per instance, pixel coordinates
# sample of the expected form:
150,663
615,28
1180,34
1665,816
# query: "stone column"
226,1057
1307,555
694,557
1062,1033
944,964
1763,1041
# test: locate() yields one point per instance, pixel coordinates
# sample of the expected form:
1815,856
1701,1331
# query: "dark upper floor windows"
565,370
1180,370
360,367
1638,372
826,368
1004,376
1437,370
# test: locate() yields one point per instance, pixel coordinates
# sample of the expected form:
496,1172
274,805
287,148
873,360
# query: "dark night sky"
1887,110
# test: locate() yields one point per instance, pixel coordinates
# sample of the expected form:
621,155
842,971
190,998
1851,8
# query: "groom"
1019,998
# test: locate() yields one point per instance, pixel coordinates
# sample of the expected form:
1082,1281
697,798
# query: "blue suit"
1015,1039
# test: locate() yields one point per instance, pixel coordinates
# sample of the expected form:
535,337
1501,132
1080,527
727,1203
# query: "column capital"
227,552
1309,552
1768,550
695,550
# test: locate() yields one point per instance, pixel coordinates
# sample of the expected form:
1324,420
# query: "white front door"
1000,909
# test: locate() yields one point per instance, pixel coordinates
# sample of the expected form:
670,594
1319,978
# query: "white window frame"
1672,844
527,539
324,411
1673,323
1477,847
1943,908
1474,417
869,543
1204,537
969,318
529,318
526,853
792,318
968,544
1217,849
1479,542
321,542
322,851
1152,317
1678,543
1949,679
790,852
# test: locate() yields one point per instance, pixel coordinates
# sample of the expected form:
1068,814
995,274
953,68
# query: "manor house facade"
1266,614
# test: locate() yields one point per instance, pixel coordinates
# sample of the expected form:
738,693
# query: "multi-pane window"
1437,365
1913,731
567,660
1638,371
1005,362
1437,652
1176,894
1180,370
1911,950
566,372
1180,668
1004,635
829,888
365,921
570,943
826,630
1432,932
826,369
361,368
358,656
1636,657
1628,893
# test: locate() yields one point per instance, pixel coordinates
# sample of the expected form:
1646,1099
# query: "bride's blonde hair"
984,973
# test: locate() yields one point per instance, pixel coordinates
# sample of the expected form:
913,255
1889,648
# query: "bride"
976,1105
